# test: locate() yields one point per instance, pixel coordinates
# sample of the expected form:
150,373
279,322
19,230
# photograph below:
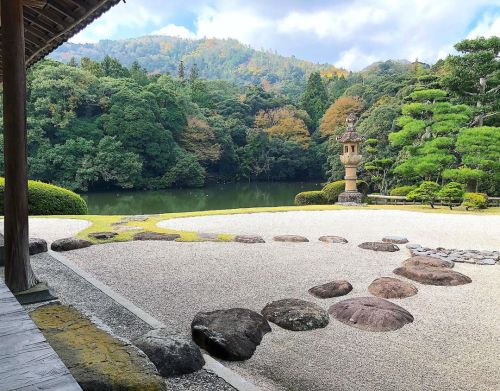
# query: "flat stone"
296,314
37,246
231,334
379,246
332,239
97,360
395,239
430,275
290,238
68,244
486,261
134,218
172,354
371,314
413,246
249,239
102,235
392,288
331,289
207,235
421,260
148,235
127,228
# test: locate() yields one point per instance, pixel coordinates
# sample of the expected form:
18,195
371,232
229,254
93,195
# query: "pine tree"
180,72
315,98
194,73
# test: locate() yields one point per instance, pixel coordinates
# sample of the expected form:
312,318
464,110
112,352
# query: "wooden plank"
27,362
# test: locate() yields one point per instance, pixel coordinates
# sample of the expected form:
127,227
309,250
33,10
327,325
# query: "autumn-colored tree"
199,139
285,122
337,113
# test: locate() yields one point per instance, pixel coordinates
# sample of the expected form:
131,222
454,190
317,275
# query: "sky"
347,33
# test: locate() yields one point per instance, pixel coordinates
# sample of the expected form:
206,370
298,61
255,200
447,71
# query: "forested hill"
225,59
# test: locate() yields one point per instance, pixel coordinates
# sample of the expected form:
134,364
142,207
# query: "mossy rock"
97,360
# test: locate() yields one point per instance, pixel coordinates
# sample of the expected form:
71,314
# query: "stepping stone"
249,239
126,228
37,246
392,288
379,246
148,235
290,238
296,315
102,235
134,218
371,314
331,289
205,235
430,275
172,354
486,261
424,260
231,334
395,239
68,244
332,239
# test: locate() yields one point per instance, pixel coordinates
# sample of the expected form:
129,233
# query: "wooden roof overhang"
50,23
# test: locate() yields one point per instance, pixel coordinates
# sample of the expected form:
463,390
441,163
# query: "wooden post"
18,273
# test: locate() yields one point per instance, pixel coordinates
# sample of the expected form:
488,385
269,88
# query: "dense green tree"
450,193
427,192
315,99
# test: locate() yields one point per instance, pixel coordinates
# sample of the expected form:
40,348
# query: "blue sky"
347,33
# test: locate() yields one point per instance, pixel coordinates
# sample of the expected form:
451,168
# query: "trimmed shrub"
402,190
427,192
450,193
310,198
332,190
475,201
45,199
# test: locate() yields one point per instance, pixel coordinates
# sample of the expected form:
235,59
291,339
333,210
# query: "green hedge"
45,199
402,190
475,201
332,190
315,197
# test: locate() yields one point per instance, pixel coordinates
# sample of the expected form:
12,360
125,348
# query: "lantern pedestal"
350,197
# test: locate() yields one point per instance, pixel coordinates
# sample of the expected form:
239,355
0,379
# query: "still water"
219,196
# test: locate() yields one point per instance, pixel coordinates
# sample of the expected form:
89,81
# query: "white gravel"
453,344
52,229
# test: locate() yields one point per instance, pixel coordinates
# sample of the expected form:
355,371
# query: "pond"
218,196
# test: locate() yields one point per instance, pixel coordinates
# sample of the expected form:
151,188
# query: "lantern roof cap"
350,135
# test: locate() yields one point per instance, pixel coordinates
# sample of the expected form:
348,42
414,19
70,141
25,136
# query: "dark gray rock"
249,239
395,239
102,235
231,334
332,239
68,244
392,288
148,235
37,246
172,354
370,314
379,246
290,238
296,314
331,289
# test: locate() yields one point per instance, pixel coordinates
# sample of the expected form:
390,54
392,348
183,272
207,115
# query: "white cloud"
354,58
174,30
488,26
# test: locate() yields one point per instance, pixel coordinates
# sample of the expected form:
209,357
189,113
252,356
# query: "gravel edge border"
212,365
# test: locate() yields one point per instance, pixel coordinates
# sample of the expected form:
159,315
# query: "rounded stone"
371,314
290,238
424,260
148,235
332,239
429,275
392,288
231,334
296,314
395,239
102,235
379,246
37,246
249,239
331,289
68,244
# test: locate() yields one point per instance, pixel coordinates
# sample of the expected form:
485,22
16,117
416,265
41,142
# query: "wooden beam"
18,273
35,3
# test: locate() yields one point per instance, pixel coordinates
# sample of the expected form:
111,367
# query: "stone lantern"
350,158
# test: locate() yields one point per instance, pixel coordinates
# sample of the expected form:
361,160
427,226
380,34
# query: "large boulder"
296,314
331,289
249,239
423,260
290,238
172,354
332,239
68,244
392,288
148,235
231,334
379,246
430,275
371,314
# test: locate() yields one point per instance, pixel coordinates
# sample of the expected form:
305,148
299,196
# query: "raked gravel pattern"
452,344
